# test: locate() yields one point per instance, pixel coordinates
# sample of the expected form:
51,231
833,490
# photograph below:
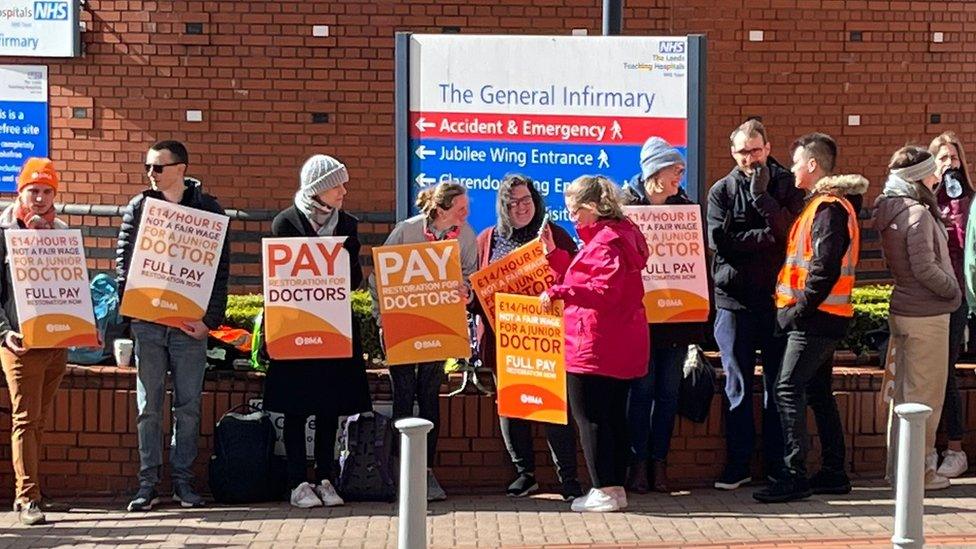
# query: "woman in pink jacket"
606,331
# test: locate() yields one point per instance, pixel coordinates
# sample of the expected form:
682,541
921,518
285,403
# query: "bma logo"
50,11
671,46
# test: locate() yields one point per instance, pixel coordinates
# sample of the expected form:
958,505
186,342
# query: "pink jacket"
606,327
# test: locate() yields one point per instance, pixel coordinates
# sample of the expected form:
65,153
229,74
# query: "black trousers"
805,378
599,406
518,441
423,383
326,426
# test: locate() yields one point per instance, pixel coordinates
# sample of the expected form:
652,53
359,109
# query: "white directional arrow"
423,152
423,180
422,124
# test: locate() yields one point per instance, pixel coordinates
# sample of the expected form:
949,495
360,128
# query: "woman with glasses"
653,402
522,218
606,331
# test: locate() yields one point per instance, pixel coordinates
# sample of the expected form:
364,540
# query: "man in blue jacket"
750,212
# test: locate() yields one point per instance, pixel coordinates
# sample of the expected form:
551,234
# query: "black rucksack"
697,386
368,465
241,467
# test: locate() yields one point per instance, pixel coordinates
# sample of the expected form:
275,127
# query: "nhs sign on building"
39,28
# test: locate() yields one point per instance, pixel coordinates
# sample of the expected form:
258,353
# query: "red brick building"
271,93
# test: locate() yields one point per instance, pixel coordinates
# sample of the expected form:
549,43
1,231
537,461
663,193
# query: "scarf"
433,235
323,218
32,220
896,186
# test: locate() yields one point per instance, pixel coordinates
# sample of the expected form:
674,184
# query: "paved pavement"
700,518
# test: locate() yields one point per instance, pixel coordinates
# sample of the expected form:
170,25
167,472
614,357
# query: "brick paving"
698,518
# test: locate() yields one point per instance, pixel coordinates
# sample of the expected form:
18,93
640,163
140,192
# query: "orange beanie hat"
38,170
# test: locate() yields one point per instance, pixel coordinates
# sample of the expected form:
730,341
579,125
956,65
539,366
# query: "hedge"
869,322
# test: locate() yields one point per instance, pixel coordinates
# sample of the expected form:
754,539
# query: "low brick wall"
91,446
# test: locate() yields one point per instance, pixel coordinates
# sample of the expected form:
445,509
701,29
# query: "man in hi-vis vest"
813,301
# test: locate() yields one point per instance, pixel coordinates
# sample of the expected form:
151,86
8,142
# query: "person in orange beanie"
33,375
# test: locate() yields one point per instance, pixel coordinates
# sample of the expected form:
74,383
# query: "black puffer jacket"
748,235
193,197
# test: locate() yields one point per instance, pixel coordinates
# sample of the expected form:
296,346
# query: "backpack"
697,386
367,463
242,465
108,322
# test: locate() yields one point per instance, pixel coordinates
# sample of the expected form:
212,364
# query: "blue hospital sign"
23,119
551,108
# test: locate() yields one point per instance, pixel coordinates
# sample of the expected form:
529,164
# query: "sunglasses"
158,168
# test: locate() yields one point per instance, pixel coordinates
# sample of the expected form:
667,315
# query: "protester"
443,216
521,214
325,388
749,216
33,375
954,195
653,403
915,247
813,298
606,331
158,348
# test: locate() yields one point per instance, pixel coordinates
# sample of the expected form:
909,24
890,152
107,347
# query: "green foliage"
242,309
870,314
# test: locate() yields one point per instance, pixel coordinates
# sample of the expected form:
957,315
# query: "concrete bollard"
910,476
412,533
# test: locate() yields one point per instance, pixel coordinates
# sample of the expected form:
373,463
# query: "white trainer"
596,501
954,464
935,481
304,497
327,493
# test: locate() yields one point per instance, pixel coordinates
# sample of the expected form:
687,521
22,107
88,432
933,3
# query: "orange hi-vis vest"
793,276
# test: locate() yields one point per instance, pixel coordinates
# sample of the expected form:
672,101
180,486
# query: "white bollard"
910,476
412,533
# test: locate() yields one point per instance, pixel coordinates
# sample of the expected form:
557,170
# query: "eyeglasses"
524,201
749,152
158,168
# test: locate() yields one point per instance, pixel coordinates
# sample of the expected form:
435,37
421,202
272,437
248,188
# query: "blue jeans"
653,404
158,349
739,334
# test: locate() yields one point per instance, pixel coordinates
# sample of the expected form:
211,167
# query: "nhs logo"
50,11
671,46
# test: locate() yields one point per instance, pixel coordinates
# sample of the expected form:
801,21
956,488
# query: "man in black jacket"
160,348
750,212
813,297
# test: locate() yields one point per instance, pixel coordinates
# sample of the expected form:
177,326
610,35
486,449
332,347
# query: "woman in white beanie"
443,216
325,388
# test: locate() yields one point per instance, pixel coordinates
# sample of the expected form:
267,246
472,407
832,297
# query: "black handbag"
697,386
242,467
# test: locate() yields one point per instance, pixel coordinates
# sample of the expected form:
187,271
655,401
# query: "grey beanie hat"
657,154
321,173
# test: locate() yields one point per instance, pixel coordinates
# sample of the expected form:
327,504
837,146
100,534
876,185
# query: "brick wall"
258,75
91,446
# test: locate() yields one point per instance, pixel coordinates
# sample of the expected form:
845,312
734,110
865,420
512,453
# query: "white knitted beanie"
321,173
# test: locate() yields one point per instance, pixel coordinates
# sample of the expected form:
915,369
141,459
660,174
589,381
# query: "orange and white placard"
50,285
676,274
529,343
422,310
174,263
307,307
523,271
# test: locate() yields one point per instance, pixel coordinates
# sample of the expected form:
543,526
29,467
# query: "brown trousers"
32,379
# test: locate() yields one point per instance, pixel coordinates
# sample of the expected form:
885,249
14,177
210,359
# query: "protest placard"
676,275
531,365
523,271
307,308
174,263
50,285
422,310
